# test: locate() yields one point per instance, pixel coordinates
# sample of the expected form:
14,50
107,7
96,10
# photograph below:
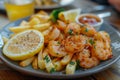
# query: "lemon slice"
70,15
24,45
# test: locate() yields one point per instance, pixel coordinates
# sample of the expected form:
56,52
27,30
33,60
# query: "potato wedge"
18,29
42,27
66,59
35,63
42,18
48,63
24,23
26,62
41,63
34,21
58,65
71,67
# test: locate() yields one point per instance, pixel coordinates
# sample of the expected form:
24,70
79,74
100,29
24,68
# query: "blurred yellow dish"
24,45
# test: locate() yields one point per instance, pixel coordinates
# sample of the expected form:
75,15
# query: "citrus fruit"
70,15
24,45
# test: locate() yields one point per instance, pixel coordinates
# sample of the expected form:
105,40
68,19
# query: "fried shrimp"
74,43
53,34
61,25
72,29
88,30
56,49
101,47
87,60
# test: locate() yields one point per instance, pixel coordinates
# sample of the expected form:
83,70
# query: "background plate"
63,3
115,43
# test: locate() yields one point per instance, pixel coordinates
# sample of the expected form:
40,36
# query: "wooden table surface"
112,73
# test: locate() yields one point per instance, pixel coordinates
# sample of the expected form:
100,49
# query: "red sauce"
92,20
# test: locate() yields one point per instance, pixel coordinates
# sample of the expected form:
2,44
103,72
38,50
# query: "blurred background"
108,9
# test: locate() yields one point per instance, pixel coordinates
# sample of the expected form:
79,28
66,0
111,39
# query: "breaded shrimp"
101,47
87,60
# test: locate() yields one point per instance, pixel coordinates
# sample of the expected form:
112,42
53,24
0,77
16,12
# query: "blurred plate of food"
50,4
45,4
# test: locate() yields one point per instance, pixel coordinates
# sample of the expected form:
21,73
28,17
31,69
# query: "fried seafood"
102,49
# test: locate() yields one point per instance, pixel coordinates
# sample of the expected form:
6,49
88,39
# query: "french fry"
46,32
71,67
66,59
42,27
48,63
41,12
41,63
35,63
34,21
18,29
5,39
42,18
58,65
24,23
26,62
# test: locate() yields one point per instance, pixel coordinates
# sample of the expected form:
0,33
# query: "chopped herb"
54,14
78,64
91,42
70,31
78,61
52,70
86,30
58,42
46,59
56,66
57,53
72,63
107,35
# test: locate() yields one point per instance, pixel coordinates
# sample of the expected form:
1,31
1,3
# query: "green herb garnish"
72,63
46,59
57,53
78,64
86,30
58,42
52,70
70,31
54,14
91,41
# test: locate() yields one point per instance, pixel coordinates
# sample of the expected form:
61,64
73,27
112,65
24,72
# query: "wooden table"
113,73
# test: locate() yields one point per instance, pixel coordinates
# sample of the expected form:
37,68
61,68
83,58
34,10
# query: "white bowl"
96,26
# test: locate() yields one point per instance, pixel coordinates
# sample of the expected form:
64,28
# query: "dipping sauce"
89,19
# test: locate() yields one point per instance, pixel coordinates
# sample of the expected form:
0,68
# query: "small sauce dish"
90,19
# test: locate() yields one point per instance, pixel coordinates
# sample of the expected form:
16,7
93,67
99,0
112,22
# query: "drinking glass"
17,9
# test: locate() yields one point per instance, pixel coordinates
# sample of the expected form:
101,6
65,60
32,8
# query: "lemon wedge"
24,45
70,15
